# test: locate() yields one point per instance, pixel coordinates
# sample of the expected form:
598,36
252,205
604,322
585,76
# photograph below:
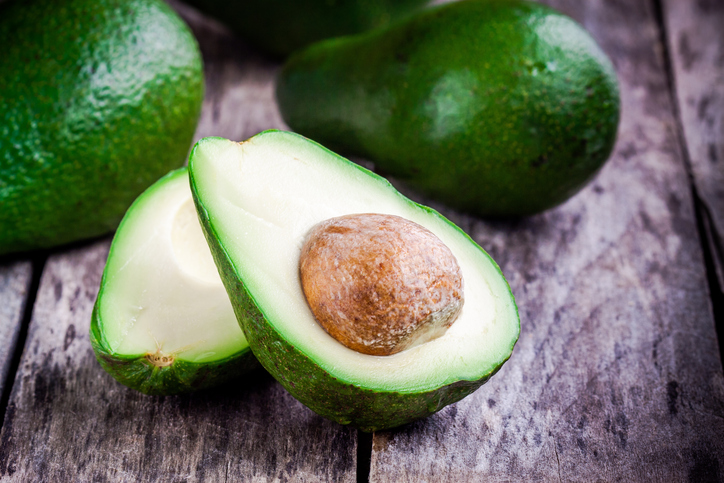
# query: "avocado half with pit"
258,201
162,322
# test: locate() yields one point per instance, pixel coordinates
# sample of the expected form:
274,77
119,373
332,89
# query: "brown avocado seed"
380,284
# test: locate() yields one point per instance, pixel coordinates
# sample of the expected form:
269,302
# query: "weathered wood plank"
15,280
696,42
239,101
616,376
67,420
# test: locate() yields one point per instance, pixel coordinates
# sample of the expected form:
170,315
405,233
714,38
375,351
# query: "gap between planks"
37,265
706,230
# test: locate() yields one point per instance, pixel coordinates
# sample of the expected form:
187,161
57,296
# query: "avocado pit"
380,284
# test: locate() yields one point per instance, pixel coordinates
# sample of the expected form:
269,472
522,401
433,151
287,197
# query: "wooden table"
617,375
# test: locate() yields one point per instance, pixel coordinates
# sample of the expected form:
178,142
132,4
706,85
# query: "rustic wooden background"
617,375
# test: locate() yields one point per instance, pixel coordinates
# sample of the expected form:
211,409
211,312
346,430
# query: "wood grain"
239,101
616,376
696,40
15,279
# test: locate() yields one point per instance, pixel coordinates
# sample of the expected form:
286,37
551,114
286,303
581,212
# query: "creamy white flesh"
162,294
264,195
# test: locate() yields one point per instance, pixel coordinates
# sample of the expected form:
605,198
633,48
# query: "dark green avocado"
494,107
257,202
98,99
279,27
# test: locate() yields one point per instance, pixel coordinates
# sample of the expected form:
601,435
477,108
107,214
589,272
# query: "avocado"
279,27
258,201
98,99
162,322
496,108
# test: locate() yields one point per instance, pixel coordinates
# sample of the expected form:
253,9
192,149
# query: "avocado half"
162,322
257,201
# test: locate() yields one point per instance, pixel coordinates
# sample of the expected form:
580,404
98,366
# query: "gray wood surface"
696,41
14,284
616,376
239,101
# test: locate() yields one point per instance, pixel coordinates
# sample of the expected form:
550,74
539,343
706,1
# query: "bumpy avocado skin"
497,108
98,99
279,27
342,402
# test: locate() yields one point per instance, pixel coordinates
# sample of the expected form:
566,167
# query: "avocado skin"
335,399
497,108
98,99
279,27
342,402
136,372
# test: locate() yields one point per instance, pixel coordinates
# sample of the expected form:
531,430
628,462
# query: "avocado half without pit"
162,322
285,216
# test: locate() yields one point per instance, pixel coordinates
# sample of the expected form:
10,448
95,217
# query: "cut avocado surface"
257,201
162,322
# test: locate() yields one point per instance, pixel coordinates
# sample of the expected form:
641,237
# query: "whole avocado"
279,27
98,99
497,108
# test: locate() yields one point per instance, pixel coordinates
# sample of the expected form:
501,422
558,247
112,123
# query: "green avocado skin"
137,372
335,399
98,99
497,108
279,27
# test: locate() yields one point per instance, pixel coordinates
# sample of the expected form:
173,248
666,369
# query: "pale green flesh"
264,195
161,292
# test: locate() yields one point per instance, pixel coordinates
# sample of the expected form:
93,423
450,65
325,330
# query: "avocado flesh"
257,201
280,27
497,108
162,322
98,99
